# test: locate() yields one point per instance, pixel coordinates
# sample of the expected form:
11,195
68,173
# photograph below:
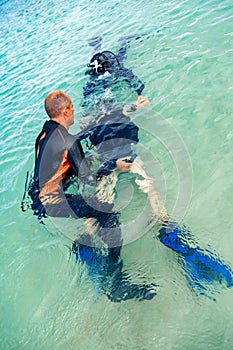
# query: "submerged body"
112,135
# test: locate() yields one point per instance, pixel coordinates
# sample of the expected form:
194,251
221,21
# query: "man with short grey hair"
58,157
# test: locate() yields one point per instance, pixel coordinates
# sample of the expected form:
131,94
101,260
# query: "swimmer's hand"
123,165
140,103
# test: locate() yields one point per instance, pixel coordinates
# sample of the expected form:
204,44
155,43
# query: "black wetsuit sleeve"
79,163
133,81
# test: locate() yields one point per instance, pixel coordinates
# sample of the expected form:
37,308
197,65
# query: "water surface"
185,60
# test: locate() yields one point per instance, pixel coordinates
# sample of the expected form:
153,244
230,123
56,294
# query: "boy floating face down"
112,135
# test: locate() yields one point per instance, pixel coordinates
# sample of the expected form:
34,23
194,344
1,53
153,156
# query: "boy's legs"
146,186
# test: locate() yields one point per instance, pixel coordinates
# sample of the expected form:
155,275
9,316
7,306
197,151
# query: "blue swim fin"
108,278
202,267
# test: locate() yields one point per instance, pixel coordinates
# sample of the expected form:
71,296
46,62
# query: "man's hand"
122,165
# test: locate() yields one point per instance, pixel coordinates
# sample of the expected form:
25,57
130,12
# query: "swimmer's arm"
133,81
79,164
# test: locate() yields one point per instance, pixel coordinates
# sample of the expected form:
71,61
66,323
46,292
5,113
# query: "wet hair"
103,61
54,103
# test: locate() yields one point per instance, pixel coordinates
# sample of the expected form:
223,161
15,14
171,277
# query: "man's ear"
65,112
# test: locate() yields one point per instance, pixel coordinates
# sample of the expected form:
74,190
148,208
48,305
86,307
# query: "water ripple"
185,60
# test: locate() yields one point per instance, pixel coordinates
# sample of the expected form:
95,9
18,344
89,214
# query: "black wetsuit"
113,136
59,155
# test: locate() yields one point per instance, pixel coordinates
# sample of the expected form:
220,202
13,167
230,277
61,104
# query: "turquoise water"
186,134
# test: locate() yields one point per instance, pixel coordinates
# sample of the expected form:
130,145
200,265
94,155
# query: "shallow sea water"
186,139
